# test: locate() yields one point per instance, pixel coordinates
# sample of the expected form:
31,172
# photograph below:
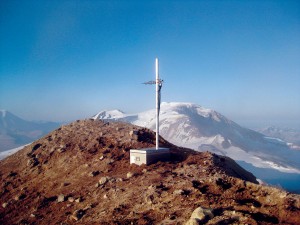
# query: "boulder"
192,221
202,213
129,175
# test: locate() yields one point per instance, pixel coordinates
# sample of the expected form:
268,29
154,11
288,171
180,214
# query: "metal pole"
157,102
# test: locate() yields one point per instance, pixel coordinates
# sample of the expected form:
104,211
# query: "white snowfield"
192,126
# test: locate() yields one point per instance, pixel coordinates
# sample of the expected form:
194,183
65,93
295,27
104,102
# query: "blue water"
287,181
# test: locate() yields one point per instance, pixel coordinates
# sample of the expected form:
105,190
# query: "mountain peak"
109,114
15,131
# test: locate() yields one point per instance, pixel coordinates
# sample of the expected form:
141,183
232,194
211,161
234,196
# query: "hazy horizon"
251,124
67,60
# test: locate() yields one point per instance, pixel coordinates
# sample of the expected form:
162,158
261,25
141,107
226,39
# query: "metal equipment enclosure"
149,155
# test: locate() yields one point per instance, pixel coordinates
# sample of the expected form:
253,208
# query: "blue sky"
66,60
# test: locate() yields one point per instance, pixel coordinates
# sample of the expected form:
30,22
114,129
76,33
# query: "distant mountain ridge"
192,126
286,134
15,131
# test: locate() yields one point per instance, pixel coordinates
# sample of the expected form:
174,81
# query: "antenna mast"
152,155
158,84
157,102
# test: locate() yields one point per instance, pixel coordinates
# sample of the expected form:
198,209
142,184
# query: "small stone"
78,214
78,200
129,175
61,150
200,213
178,192
110,161
102,157
151,187
52,150
19,197
119,180
93,173
71,199
32,215
103,180
4,204
97,185
61,198
144,170
133,132
105,196
32,162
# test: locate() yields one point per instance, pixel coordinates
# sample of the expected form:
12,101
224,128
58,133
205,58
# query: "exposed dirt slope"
80,174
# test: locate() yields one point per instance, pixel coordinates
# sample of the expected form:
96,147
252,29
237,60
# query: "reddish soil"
55,180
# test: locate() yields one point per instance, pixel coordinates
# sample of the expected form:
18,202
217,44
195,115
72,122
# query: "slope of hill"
192,126
15,131
80,174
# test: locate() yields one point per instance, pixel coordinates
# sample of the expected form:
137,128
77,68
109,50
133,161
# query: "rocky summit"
80,174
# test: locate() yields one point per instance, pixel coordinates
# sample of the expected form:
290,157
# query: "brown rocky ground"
80,174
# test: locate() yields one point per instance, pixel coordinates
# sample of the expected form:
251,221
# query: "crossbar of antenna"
154,82
150,82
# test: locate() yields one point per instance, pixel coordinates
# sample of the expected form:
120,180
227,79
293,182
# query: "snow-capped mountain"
112,114
15,132
190,125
